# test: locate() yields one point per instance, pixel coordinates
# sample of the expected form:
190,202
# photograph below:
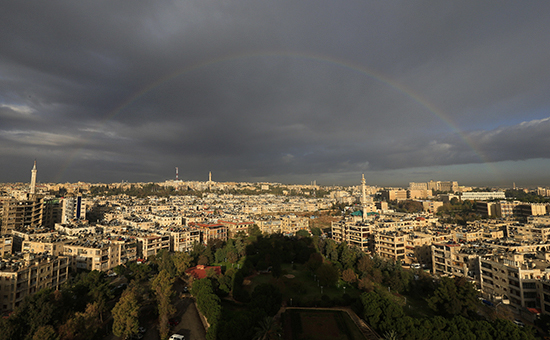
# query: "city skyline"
276,92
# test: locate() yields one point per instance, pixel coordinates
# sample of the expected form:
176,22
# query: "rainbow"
377,76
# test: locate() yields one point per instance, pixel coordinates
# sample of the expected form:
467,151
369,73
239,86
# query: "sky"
278,91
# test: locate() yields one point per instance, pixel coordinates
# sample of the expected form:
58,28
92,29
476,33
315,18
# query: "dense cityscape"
495,240
266,170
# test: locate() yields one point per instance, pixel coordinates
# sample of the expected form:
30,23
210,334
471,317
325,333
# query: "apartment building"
6,245
74,209
539,232
418,248
404,222
431,206
543,287
291,224
151,245
75,228
390,245
454,259
486,208
394,194
532,209
269,226
22,276
483,196
516,276
21,214
418,186
355,234
464,235
138,222
52,244
506,209
447,186
99,254
184,238
543,191
166,218
234,227
211,231
418,194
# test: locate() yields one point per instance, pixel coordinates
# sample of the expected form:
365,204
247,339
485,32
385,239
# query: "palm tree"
267,330
390,335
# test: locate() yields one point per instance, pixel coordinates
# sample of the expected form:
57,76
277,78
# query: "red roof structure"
199,272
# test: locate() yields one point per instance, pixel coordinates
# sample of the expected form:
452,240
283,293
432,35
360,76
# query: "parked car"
519,322
176,337
173,322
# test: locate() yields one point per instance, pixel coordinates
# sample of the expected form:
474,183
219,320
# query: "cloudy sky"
280,91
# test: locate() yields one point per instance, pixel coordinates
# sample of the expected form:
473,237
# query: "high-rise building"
19,214
74,209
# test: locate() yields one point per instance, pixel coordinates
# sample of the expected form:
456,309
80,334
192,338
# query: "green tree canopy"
126,314
327,274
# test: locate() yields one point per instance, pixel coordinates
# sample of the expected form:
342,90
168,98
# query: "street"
187,317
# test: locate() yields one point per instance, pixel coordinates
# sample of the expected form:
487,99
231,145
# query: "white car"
519,322
177,337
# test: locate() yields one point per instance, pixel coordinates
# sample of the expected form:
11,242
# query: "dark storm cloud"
285,91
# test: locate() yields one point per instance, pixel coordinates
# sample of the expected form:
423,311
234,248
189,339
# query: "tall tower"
177,174
33,179
364,198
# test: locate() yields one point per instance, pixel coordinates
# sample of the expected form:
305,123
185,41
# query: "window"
529,285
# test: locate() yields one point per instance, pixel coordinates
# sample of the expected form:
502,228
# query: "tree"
267,298
327,274
268,329
82,325
454,297
302,233
316,231
203,260
182,261
165,262
331,251
254,232
240,246
314,262
162,286
365,264
365,284
226,281
349,276
45,333
208,303
220,255
126,314
390,335
347,256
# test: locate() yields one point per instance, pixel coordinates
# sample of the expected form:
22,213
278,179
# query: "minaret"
364,198
33,179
